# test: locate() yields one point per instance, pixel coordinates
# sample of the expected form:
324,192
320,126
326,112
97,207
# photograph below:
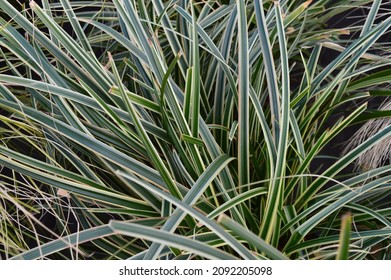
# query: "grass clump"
190,130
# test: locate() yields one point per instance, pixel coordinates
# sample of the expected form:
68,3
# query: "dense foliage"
192,130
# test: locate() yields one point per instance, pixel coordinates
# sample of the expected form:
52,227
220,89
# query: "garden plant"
184,129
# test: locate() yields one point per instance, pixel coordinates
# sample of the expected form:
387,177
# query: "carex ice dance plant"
189,130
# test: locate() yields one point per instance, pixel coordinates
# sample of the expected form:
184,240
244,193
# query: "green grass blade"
169,239
212,225
145,138
191,197
81,55
76,26
306,227
65,242
81,189
243,106
237,200
213,49
195,84
119,38
340,164
252,239
275,192
358,47
269,67
344,239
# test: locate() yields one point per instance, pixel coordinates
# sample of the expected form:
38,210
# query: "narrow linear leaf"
344,237
251,238
169,239
243,91
231,241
